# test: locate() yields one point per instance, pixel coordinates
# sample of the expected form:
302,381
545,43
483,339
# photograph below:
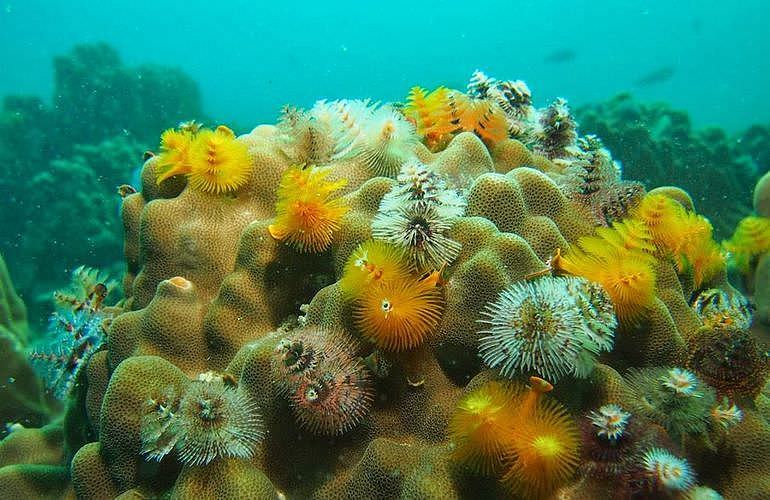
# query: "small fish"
660,75
125,190
560,56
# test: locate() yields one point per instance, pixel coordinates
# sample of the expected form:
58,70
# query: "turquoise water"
250,57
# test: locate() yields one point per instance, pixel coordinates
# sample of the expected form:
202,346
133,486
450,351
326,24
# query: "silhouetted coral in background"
64,162
23,401
659,146
96,96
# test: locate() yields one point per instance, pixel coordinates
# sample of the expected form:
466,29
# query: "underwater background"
221,301
702,59
700,56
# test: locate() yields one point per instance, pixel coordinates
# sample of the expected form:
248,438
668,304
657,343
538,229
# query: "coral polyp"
212,420
334,397
480,427
540,327
388,141
610,421
399,315
673,398
665,472
544,451
175,146
420,229
307,211
373,263
218,162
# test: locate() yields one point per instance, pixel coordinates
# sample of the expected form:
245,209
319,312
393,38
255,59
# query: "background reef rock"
659,146
64,162
22,398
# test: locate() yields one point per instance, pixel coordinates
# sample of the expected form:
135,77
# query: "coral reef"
673,398
315,322
760,288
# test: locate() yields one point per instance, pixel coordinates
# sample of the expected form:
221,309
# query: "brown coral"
209,288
